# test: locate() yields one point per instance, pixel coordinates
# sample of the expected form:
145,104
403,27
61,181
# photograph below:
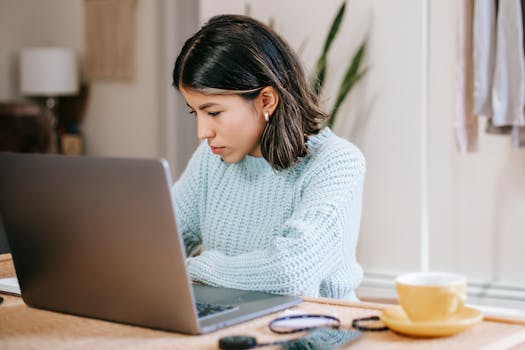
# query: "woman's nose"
204,127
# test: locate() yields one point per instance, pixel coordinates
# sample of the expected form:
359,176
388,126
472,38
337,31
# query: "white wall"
177,21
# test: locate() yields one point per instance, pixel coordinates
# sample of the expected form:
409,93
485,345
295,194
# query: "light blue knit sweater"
292,232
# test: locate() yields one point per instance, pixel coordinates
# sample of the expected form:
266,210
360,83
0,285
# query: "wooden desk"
22,327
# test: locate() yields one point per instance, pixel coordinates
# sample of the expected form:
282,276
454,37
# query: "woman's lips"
217,150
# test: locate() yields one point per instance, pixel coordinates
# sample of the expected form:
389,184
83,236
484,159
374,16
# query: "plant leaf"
320,67
320,75
334,29
353,74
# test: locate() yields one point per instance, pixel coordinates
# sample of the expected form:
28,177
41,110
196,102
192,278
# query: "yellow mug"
431,296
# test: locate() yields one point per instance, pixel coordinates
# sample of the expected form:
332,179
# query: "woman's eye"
214,114
192,112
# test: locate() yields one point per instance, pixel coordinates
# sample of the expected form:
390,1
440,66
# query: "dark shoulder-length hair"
233,54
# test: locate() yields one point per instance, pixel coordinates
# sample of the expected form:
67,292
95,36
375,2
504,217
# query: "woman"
271,201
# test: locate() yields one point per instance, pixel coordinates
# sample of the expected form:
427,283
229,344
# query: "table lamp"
48,72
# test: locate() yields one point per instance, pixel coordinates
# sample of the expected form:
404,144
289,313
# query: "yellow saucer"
396,319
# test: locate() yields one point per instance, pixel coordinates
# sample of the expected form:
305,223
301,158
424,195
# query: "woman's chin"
230,159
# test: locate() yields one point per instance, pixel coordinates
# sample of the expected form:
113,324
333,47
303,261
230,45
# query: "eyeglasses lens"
290,325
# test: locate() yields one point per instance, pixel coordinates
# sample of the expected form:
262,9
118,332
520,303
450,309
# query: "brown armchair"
27,128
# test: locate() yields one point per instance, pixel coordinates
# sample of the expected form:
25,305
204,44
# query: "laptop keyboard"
207,310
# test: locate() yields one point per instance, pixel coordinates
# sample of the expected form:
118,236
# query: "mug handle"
458,298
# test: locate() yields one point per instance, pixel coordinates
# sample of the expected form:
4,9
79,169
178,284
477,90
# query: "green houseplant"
352,75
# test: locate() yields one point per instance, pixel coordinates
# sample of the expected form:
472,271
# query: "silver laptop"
97,237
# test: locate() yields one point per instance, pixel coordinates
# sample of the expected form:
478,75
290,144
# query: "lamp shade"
48,71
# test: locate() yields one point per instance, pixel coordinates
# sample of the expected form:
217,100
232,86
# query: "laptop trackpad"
213,301
226,296
248,304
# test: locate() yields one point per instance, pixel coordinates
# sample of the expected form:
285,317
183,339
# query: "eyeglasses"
325,332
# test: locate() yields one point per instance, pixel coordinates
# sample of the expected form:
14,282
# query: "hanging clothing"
508,94
466,121
518,136
484,55
499,66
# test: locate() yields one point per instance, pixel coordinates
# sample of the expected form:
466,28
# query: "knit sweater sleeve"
308,245
187,192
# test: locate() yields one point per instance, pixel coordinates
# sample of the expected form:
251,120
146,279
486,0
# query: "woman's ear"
268,100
